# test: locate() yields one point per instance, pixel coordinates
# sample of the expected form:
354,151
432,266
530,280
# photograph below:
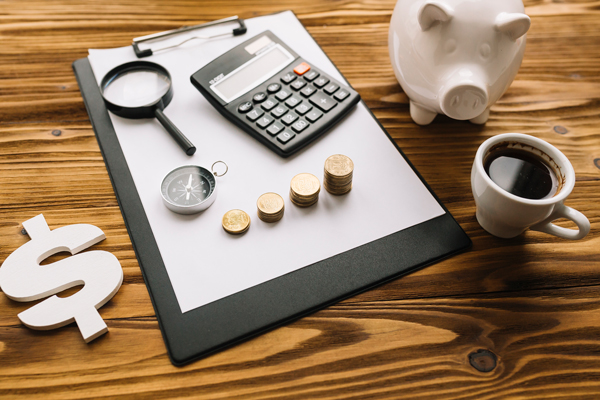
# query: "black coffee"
521,173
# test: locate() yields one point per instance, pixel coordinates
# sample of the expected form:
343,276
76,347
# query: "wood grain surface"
532,301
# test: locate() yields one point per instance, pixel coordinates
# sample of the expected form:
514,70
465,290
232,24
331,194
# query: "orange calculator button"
301,69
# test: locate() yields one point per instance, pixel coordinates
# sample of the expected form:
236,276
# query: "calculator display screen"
252,73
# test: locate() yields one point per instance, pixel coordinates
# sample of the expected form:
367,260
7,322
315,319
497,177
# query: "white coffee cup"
506,215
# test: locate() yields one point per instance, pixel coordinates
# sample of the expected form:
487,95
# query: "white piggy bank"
456,57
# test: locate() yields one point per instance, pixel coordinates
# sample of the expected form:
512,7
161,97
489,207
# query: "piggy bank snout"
464,100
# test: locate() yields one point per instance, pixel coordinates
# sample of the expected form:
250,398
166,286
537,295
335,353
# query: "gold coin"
270,203
236,221
339,165
338,191
305,185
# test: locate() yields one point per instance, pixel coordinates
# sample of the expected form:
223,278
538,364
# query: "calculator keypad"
303,108
313,116
264,121
285,136
275,129
322,101
302,68
308,91
245,107
341,95
295,106
299,126
255,114
269,104
293,101
283,94
288,78
259,97
320,82
279,111
289,118
299,84
311,75
331,88
273,88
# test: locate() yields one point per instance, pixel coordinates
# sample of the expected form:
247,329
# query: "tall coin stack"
338,174
270,207
304,190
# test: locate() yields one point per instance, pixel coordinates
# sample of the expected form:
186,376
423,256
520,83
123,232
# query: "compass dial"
188,189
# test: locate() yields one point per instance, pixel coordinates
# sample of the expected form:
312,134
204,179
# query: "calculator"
279,98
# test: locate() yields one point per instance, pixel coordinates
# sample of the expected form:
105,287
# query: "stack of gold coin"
270,207
338,174
304,190
236,222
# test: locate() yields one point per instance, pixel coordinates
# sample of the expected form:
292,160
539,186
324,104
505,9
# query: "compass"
190,189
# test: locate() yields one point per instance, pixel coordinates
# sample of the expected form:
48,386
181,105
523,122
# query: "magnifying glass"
142,89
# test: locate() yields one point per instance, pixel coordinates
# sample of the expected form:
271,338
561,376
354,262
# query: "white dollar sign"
22,278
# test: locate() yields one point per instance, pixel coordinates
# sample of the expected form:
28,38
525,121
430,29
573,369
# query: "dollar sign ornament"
22,278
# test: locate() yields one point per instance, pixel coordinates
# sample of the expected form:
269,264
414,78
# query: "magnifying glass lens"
142,89
136,88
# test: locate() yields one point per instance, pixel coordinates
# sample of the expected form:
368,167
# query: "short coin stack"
338,174
236,222
270,207
304,190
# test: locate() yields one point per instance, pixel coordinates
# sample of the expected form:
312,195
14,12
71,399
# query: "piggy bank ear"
433,12
514,25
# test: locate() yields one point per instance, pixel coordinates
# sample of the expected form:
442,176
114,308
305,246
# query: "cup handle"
562,211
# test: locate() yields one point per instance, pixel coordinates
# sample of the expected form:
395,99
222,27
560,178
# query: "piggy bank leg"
421,115
481,118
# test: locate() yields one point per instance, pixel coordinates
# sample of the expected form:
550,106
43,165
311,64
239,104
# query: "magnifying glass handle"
179,137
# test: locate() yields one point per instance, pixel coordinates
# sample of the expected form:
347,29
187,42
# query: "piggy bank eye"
450,46
485,50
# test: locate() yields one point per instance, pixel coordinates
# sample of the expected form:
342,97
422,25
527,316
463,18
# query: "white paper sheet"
205,263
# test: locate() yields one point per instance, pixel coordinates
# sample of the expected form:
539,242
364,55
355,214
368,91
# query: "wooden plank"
532,300
394,349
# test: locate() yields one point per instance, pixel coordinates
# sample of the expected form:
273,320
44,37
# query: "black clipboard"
230,320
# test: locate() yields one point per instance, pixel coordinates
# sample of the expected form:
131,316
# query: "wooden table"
532,301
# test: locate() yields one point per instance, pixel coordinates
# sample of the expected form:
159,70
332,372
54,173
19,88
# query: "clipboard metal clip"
141,53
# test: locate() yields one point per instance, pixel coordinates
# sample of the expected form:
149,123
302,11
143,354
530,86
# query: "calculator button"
273,88
311,75
289,77
293,101
264,121
303,108
308,91
289,118
275,129
255,114
299,126
302,68
314,115
269,104
285,136
341,95
299,84
279,111
323,102
259,97
245,107
322,81
331,88
283,94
